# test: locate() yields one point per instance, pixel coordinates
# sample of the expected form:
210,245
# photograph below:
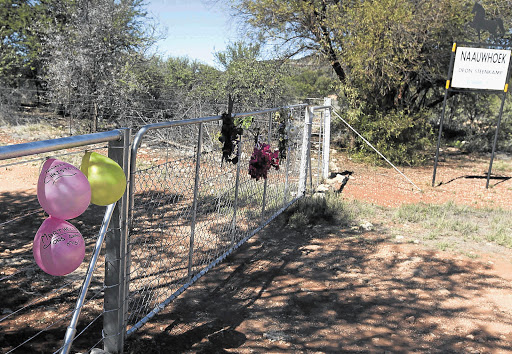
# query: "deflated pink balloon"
63,190
59,247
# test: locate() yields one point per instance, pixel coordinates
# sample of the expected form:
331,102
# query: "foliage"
394,52
403,138
390,56
244,122
311,83
88,53
169,88
388,61
253,82
471,120
21,39
310,80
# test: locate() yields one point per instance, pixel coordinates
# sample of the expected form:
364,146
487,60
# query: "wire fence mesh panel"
160,224
188,209
36,307
191,208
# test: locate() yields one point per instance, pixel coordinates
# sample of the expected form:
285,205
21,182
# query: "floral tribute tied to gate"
261,160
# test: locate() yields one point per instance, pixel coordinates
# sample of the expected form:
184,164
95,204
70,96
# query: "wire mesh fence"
190,208
187,211
85,113
37,307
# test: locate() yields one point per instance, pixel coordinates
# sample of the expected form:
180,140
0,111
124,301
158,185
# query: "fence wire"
36,307
189,210
174,237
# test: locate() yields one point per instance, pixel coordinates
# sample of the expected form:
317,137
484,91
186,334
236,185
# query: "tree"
21,39
88,53
252,82
390,56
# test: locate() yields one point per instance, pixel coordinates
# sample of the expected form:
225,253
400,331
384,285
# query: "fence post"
116,251
327,138
319,154
194,203
237,185
306,138
265,183
287,166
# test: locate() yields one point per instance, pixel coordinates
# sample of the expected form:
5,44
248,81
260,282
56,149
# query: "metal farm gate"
183,213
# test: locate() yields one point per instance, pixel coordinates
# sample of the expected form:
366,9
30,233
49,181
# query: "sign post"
476,69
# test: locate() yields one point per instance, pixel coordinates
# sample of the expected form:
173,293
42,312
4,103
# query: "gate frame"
117,257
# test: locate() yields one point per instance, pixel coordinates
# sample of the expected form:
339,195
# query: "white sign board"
480,68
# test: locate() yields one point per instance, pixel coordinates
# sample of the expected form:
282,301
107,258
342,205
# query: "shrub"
317,210
404,139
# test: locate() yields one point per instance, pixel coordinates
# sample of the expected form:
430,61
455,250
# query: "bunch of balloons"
65,192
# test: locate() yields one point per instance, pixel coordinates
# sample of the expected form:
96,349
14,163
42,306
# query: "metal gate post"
237,187
327,138
320,154
194,202
116,247
265,183
306,138
287,166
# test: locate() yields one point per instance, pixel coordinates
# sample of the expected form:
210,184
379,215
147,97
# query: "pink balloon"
59,247
63,190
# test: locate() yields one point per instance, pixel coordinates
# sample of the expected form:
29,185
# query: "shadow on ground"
326,289
35,307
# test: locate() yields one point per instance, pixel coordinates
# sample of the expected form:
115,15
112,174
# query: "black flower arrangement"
230,135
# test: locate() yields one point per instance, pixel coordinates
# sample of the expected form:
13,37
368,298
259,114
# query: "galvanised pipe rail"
177,123
44,146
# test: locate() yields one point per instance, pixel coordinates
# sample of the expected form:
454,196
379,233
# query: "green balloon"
106,177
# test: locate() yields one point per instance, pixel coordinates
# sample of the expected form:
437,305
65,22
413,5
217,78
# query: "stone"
338,183
323,188
98,351
366,225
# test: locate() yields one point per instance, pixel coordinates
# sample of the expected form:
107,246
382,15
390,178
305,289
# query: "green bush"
309,211
404,139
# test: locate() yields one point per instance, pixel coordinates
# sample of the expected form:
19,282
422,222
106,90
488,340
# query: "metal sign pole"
439,138
450,71
496,136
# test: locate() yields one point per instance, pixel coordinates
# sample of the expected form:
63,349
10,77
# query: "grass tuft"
329,209
310,211
446,226
456,222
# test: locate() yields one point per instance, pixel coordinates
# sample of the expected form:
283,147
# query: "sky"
194,28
